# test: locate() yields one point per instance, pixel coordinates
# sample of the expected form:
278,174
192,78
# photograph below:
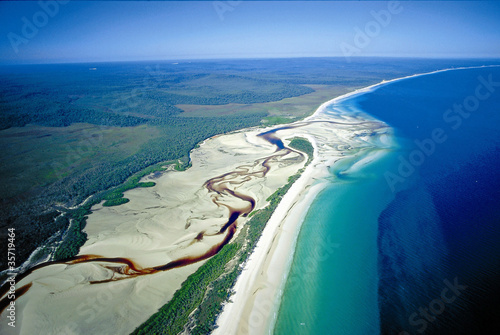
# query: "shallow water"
421,219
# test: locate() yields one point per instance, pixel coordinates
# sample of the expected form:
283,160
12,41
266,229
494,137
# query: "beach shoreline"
253,308
162,224
258,290
158,226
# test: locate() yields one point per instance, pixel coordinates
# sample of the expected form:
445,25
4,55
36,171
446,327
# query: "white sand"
253,307
258,289
160,224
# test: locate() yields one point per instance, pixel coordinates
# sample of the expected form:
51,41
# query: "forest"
118,97
72,131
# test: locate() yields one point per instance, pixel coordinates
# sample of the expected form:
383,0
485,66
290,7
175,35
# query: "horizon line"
189,60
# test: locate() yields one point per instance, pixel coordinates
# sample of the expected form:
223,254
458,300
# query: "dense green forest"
303,145
131,114
113,96
33,214
123,95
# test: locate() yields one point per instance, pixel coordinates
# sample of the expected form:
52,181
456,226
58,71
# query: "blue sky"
121,31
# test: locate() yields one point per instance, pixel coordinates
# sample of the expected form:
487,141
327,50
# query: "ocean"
412,238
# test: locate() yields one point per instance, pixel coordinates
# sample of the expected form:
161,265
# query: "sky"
70,31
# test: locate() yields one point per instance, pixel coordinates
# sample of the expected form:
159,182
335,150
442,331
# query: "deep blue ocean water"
417,232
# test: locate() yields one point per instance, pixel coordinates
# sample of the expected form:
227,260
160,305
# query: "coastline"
113,230
257,280
160,225
254,305
370,88
252,308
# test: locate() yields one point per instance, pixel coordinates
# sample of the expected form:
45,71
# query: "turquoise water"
332,286
423,215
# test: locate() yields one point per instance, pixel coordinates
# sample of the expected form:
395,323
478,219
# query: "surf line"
218,186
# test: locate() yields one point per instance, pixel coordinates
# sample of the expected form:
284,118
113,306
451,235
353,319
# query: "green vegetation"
289,108
146,184
303,145
204,291
83,169
115,202
114,197
274,120
172,317
67,133
70,246
75,237
126,95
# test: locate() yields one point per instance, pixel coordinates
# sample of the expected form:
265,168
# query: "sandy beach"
254,306
182,217
158,177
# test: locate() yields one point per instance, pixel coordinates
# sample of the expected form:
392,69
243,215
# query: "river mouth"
424,216
219,189
137,243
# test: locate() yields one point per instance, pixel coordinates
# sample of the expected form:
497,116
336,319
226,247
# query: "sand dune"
181,217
